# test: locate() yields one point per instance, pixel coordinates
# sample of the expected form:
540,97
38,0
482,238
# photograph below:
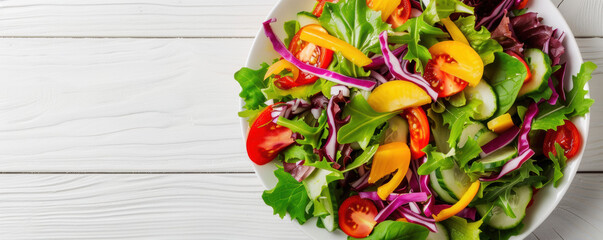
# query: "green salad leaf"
505,75
291,28
288,196
468,152
363,122
355,23
460,229
312,135
296,153
304,92
558,164
480,40
439,9
321,194
363,158
418,30
436,160
394,230
490,233
252,82
457,118
576,104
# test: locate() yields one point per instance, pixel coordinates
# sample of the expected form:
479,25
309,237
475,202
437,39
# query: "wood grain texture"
187,18
201,206
145,105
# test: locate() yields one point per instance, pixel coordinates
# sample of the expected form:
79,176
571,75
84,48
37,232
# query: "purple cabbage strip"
379,61
510,166
380,78
413,217
361,183
416,5
493,16
374,197
554,95
428,206
331,144
414,207
396,69
298,170
499,142
560,75
398,201
468,213
523,143
280,48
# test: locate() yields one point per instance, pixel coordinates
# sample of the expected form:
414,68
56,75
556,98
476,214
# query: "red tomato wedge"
443,83
308,53
419,130
567,136
400,15
266,139
515,55
357,216
522,4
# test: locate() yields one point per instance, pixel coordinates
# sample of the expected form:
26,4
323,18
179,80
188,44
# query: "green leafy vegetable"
394,230
353,22
296,153
576,104
366,156
252,82
457,117
418,30
468,152
305,92
436,160
312,135
437,10
558,163
291,28
440,132
288,196
505,75
480,40
363,122
319,192
490,233
460,229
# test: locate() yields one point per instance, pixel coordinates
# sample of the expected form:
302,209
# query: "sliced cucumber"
540,66
485,136
442,233
435,185
472,130
454,181
306,18
518,201
483,92
498,158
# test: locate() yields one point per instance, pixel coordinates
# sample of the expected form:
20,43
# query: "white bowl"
545,200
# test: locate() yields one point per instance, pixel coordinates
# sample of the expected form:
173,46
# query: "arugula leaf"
558,164
439,9
295,153
252,82
394,230
305,92
366,156
576,104
291,28
468,152
288,196
480,40
505,75
436,160
460,229
457,117
355,23
363,122
418,30
312,135
440,132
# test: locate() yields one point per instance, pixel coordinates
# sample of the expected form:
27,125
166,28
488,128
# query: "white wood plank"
145,105
205,206
188,18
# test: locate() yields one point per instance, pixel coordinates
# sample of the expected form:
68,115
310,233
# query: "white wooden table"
118,120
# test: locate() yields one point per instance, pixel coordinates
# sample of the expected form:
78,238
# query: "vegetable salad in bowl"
400,119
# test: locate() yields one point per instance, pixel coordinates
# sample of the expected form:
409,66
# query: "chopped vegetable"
501,123
325,40
392,157
460,205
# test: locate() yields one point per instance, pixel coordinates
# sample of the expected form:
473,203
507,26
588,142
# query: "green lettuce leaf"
296,153
252,82
457,118
288,196
291,28
436,160
363,158
394,230
312,135
418,30
363,122
440,132
479,40
558,164
353,22
505,75
439,9
460,229
576,104
303,92
468,152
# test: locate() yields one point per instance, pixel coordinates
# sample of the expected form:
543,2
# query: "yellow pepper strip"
501,123
325,40
397,95
389,158
454,31
387,7
467,64
281,65
460,205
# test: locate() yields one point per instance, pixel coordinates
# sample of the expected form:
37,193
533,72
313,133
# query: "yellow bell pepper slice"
397,95
320,38
387,7
401,220
454,31
281,65
389,158
501,123
467,64
460,205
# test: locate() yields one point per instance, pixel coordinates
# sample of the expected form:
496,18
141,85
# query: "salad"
400,119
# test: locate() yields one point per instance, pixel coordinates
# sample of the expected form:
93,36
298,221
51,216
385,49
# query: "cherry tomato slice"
357,216
419,130
443,83
308,53
568,138
266,139
515,55
320,6
400,15
522,4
